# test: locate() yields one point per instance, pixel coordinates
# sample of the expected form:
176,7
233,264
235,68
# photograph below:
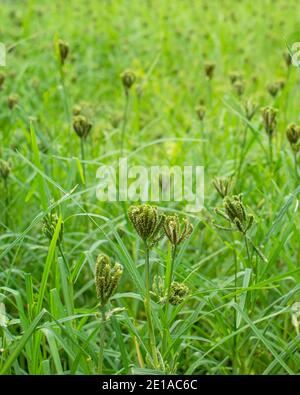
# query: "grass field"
206,83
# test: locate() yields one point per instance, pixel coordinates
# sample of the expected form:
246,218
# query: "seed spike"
106,278
147,222
173,231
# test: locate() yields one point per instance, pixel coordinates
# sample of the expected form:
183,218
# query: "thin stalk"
82,158
64,96
63,255
248,251
148,308
296,167
169,282
242,157
124,121
64,92
6,202
209,91
203,142
271,152
102,341
71,310
82,152
234,351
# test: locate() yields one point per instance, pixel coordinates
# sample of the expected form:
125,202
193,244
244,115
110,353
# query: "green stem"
124,121
102,341
82,151
209,91
248,252
242,157
203,143
64,93
63,255
296,168
6,202
234,356
82,158
271,152
148,309
166,333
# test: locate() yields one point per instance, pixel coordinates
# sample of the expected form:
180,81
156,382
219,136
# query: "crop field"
135,285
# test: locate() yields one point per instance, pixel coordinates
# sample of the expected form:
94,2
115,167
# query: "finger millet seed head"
275,87
293,136
49,225
269,115
172,228
209,68
250,109
235,210
147,222
239,87
223,185
82,126
200,111
63,49
178,292
128,79
12,100
107,278
4,169
293,133
235,76
287,59
77,110
2,79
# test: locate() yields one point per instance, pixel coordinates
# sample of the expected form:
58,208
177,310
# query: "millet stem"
148,308
102,341
6,202
124,120
169,282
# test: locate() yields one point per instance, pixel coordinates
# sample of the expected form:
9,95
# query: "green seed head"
275,87
4,169
2,79
235,210
172,228
209,68
178,293
107,278
63,49
146,221
287,58
235,76
269,115
239,87
200,111
49,226
223,185
12,100
250,109
128,79
82,126
115,119
293,133
77,110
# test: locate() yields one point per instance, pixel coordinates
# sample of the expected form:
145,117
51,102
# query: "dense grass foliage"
198,67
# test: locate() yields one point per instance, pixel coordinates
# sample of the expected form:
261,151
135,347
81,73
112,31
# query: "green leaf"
24,339
53,349
37,162
246,281
48,263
